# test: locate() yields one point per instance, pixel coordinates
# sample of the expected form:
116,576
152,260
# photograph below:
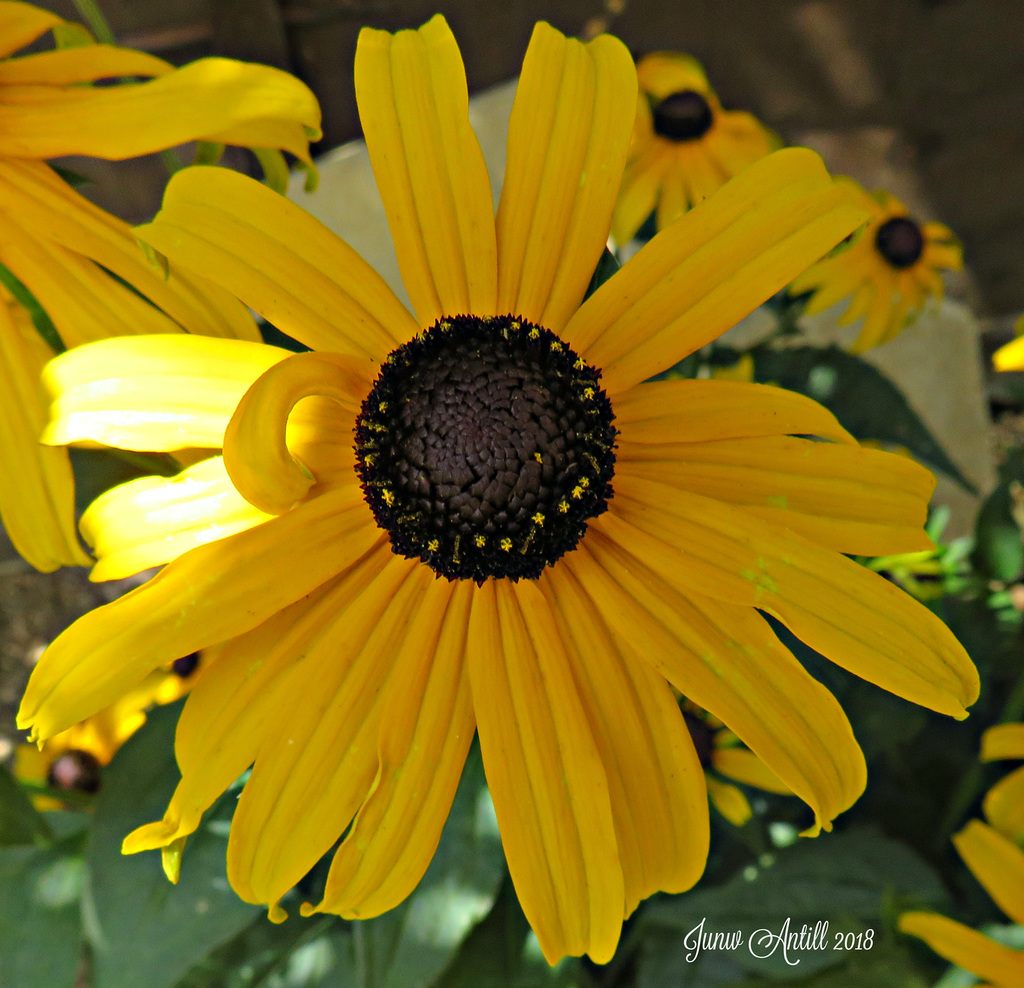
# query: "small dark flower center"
900,241
703,738
484,448
683,116
75,770
186,665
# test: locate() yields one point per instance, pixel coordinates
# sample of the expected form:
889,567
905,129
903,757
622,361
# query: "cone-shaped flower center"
75,770
900,241
682,116
484,448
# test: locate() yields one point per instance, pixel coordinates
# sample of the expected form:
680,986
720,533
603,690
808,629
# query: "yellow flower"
684,145
723,756
1004,802
57,244
487,447
998,864
1011,356
72,759
890,267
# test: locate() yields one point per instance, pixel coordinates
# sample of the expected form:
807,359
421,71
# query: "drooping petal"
727,660
238,700
278,259
853,616
1002,741
998,863
38,200
705,272
22,23
545,774
1004,805
256,454
414,108
425,733
744,766
697,411
210,594
967,948
568,138
854,500
152,520
878,316
729,801
315,767
83,64
37,488
654,776
639,193
152,392
194,102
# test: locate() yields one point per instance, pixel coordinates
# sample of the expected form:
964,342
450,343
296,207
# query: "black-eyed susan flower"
73,759
684,145
63,248
726,761
998,863
890,268
479,518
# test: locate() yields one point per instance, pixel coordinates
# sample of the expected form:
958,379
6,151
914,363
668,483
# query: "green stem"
90,12
161,464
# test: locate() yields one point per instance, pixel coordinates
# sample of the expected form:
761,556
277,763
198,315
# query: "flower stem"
90,12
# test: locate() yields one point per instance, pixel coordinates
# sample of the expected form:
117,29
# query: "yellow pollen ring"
256,453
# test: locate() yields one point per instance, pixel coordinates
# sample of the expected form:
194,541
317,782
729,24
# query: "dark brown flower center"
186,665
75,770
682,116
900,241
703,738
485,447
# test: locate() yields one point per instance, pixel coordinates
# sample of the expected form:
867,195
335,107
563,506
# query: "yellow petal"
1002,741
744,766
567,143
38,200
702,274
1009,357
854,500
314,768
948,256
278,259
729,801
638,196
654,776
425,734
22,23
698,411
84,64
256,454
211,593
878,317
152,520
545,774
1004,806
239,697
37,488
967,948
998,863
414,108
152,392
121,121
853,616
727,660
665,72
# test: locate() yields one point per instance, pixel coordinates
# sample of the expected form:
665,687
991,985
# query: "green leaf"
75,179
142,929
502,952
20,821
866,402
411,945
844,880
40,917
999,547
42,322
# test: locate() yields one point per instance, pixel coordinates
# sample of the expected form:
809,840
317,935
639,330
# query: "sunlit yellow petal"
280,260
568,138
21,23
704,273
152,392
414,108
967,948
84,64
